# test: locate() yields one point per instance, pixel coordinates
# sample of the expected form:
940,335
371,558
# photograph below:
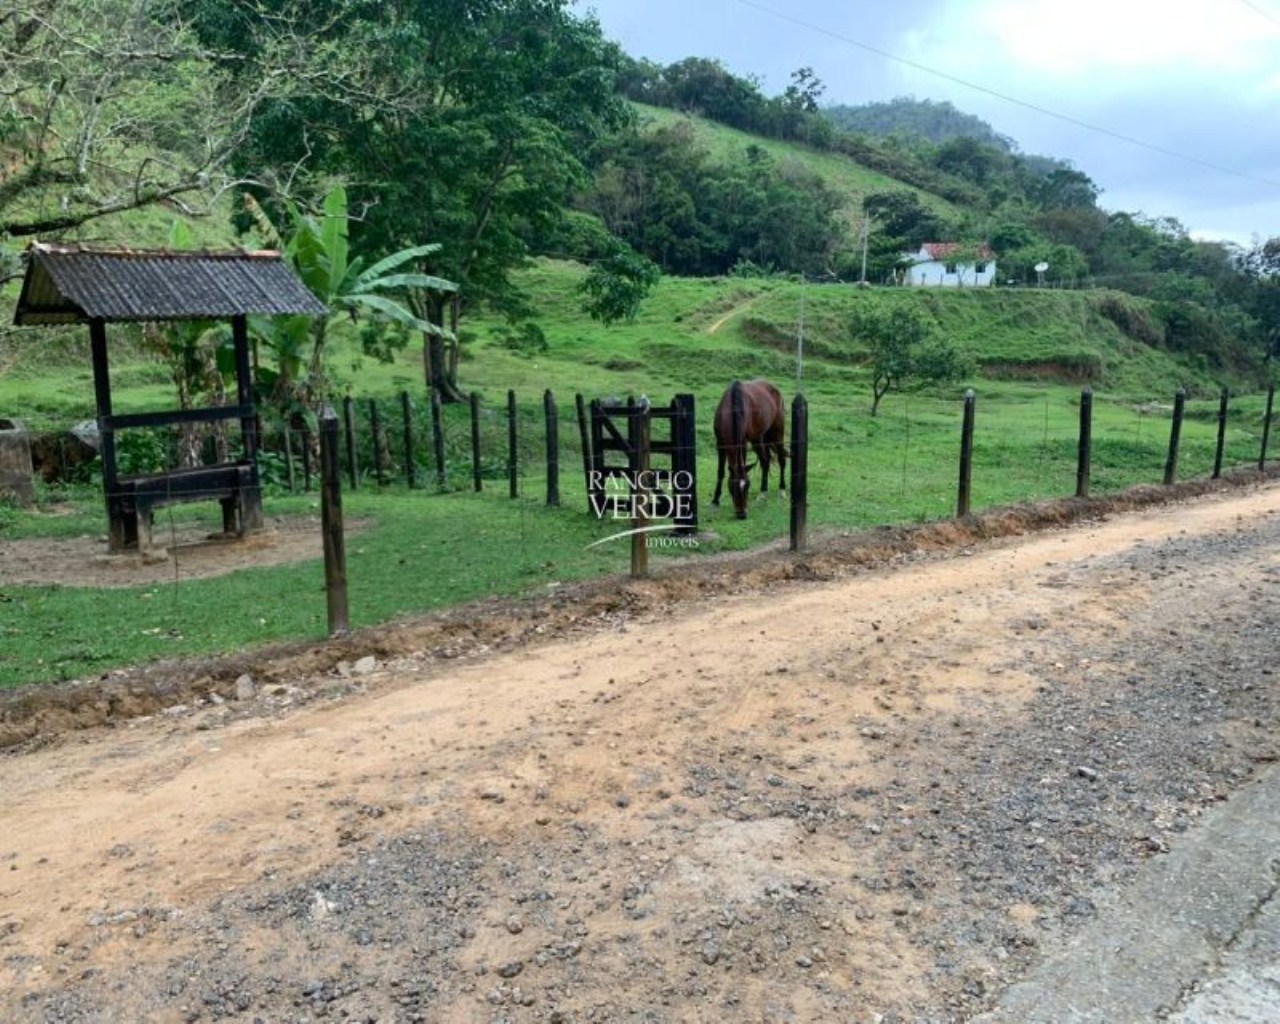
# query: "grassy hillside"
692,329
691,333
725,144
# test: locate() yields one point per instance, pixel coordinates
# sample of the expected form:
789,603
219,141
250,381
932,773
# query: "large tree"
481,115
111,105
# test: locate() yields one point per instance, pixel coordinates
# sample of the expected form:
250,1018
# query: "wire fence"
896,467
457,502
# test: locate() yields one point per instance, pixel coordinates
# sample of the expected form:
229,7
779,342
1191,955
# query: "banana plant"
319,251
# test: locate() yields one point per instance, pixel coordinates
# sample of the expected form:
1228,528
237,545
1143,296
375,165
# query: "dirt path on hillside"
861,799
737,310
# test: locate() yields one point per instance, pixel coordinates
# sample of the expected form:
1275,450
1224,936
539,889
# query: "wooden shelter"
75,284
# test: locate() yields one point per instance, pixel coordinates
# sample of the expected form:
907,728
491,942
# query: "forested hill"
932,121
944,175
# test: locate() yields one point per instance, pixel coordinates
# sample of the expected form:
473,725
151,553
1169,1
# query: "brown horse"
751,412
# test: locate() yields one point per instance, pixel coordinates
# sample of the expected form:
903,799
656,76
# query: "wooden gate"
670,465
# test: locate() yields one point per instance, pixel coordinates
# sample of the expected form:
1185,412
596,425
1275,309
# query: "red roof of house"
941,250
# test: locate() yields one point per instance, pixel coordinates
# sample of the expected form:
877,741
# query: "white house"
936,266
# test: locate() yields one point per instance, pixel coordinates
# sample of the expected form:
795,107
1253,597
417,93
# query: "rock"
245,688
510,970
365,665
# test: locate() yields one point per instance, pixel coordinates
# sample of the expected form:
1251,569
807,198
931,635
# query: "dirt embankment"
29,714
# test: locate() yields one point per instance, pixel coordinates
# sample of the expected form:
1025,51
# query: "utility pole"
800,337
866,230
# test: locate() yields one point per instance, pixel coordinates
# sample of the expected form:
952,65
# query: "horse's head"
740,488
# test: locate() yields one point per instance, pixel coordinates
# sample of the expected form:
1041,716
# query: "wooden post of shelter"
242,511
119,535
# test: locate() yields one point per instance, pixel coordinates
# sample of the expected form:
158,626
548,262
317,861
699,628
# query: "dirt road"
872,797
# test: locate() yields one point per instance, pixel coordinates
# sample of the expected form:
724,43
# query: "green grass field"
423,550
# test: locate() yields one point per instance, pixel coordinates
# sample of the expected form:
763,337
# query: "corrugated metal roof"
75,284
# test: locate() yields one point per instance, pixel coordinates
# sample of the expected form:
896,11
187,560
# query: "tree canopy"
500,129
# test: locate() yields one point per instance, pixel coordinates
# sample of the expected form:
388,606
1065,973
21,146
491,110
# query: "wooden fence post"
306,460
685,432
1084,456
799,473
1266,428
966,455
638,437
376,426
553,447
410,463
437,440
349,422
288,458
1222,433
595,476
1175,436
335,557
513,455
475,441
584,434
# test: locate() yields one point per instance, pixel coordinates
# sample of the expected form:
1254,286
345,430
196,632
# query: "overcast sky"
1172,107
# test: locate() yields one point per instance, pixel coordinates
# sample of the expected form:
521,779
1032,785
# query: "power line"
1013,99
1258,10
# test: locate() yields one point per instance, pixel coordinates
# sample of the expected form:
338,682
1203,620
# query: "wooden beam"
208,414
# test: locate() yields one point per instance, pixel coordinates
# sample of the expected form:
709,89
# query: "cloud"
1196,79
1096,44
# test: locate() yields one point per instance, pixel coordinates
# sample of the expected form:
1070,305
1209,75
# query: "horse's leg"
776,441
715,498
762,456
